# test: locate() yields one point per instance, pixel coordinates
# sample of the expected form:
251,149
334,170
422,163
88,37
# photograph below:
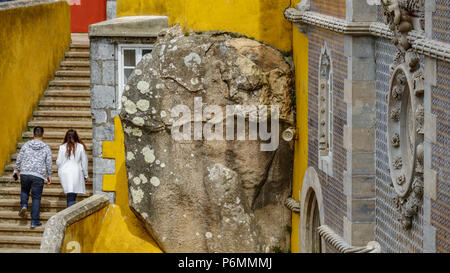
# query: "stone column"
430,176
103,106
359,133
111,9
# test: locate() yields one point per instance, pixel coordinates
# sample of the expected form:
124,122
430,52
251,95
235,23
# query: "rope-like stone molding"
342,246
26,3
293,205
429,47
56,226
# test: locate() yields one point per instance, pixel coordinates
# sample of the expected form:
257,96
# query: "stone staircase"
64,105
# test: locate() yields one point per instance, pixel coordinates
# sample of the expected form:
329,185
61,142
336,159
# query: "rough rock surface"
198,195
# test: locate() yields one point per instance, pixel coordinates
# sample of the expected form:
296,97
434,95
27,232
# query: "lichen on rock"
207,195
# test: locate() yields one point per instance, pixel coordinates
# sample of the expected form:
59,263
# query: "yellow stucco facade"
33,40
259,19
300,49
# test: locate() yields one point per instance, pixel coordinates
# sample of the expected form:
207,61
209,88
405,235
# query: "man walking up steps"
34,163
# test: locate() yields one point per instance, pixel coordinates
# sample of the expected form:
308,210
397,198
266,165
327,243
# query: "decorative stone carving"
398,163
325,103
402,16
405,108
405,129
395,114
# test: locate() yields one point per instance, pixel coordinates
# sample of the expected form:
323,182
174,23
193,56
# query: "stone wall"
437,198
388,230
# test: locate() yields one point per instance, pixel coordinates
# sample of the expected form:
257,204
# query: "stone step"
46,205
54,157
61,124
73,73
75,64
54,185
7,178
59,135
10,168
77,54
82,93
79,46
21,230
65,103
19,250
7,191
12,217
62,115
70,83
55,146
20,241
59,113
52,194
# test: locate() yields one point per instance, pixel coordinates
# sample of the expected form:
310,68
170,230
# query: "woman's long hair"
71,139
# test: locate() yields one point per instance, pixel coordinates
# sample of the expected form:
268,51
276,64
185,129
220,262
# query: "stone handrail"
26,3
56,226
342,246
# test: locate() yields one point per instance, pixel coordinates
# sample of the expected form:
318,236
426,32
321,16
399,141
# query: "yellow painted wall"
32,44
300,49
260,19
115,228
108,231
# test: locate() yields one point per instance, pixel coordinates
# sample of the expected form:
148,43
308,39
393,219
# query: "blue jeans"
36,185
71,199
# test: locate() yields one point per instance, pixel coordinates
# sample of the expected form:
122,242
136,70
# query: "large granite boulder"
207,195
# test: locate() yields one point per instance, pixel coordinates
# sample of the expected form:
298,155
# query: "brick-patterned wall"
389,232
335,207
440,106
334,8
441,21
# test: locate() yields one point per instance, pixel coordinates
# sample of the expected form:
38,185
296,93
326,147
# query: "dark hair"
71,139
38,131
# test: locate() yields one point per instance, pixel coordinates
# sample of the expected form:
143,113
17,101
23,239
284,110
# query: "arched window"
314,243
325,103
311,213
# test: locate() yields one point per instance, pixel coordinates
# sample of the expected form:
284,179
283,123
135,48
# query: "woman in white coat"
72,165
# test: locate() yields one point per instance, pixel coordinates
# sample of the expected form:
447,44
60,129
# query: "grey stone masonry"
430,175
105,38
111,9
359,133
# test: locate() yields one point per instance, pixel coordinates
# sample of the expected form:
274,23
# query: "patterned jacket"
35,158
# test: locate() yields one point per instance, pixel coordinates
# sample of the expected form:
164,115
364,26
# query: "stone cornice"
428,47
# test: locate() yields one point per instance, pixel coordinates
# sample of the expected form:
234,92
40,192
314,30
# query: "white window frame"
138,57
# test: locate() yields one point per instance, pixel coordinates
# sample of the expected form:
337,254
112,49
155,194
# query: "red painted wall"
86,12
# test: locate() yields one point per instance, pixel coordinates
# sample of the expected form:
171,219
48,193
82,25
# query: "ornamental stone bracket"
405,109
295,14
